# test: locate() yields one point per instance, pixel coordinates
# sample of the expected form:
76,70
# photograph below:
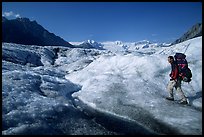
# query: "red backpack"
184,71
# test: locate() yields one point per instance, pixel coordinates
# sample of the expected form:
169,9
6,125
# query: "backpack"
184,71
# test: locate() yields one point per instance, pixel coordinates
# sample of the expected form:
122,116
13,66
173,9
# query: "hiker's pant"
177,86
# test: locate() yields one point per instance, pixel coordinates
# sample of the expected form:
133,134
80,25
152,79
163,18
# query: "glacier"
54,90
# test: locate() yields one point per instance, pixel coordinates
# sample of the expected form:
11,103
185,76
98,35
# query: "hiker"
175,81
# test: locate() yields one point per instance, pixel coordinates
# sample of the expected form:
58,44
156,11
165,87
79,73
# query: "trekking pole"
186,48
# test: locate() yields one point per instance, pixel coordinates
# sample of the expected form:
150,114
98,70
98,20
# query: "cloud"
11,14
8,14
17,15
91,35
154,34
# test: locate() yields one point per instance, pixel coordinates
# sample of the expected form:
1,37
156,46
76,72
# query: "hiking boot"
170,98
183,102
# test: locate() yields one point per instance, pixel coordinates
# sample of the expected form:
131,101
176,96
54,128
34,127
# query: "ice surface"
47,90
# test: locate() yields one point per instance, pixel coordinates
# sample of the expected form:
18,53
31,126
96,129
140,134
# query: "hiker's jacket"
174,71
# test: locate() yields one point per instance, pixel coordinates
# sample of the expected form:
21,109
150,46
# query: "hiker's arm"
175,73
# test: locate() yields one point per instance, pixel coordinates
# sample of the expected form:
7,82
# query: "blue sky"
110,21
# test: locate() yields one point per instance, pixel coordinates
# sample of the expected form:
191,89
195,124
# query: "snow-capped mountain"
88,44
119,46
130,47
58,90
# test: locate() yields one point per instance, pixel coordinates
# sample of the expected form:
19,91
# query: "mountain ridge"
193,32
24,31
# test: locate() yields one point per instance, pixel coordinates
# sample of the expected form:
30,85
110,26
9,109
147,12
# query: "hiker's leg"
170,87
180,91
